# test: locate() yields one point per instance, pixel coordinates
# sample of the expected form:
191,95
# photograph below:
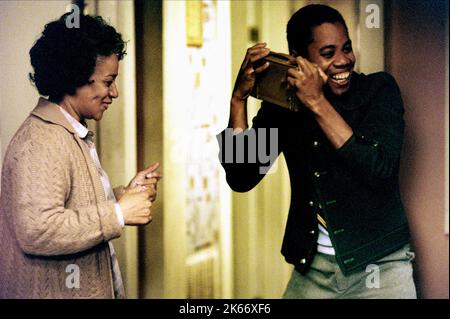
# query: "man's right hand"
247,74
244,85
135,204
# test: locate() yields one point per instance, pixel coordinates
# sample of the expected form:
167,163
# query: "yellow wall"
181,107
259,217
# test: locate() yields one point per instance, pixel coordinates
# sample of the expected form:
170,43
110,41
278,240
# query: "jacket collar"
50,112
81,129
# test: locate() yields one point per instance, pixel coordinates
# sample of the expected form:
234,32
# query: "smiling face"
332,51
94,98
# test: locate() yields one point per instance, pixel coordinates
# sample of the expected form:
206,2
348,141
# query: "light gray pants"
388,278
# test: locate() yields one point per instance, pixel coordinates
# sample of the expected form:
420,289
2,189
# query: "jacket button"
311,203
316,174
303,261
316,144
312,232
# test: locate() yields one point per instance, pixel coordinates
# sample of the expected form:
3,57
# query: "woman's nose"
113,92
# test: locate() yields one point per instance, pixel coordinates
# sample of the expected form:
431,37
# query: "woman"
58,211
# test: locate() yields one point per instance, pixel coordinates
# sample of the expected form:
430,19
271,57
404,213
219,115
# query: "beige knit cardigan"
54,219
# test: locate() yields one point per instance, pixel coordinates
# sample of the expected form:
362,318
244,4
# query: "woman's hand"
146,180
308,80
135,205
247,74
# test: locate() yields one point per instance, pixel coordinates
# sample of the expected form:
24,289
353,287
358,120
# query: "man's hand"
247,74
244,84
308,80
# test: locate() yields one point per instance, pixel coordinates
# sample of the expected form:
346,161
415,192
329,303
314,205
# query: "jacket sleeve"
248,156
41,180
373,151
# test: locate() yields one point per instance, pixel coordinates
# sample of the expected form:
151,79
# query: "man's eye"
328,55
108,83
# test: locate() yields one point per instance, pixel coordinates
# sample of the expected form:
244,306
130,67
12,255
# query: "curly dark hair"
302,22
64,58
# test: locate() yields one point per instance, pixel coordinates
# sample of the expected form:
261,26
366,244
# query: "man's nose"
342,60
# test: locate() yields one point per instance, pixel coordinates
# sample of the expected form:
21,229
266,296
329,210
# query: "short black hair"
64,57
301,24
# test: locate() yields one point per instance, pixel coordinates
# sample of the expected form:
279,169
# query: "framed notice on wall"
194,23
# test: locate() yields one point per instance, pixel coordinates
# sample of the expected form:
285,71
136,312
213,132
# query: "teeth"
341,76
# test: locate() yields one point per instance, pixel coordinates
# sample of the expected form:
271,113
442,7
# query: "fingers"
258,48
139,189
257,54
149,182
259,45
292,60
142,192
148,192
147,213
322,74
136,206
145,217
150,169
306,69
149,172
134,190
153,175
305,66
293,82
254,54
262,68
294,73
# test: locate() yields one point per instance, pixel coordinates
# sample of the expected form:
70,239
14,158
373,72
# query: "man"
342,150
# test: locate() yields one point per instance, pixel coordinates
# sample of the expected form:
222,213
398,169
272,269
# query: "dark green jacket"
355,188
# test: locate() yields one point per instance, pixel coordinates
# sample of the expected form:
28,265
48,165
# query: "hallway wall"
417,56
182,93
21,22
259,217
